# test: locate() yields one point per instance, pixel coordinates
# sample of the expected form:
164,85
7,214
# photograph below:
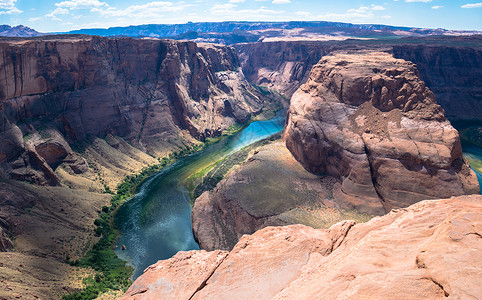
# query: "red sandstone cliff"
371,130
368,120
153,93
454,74
429,250
450,66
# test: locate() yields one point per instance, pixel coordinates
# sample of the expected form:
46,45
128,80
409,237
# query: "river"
156,223
474,155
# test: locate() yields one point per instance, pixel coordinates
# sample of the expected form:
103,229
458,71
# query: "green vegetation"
219,169
472,135
234,128
112,272
474,162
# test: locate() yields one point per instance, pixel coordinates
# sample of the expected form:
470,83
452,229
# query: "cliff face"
368,120
429,250
454,74
450,67
282,66
372,132
152,93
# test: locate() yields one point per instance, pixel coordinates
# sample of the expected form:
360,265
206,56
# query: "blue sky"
64,15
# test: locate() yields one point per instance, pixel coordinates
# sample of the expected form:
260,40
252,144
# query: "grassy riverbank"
112,273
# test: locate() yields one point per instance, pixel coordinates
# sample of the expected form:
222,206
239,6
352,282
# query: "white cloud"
31,20
424,1
57,11
303,13
228,12
65,7
360,10
472,5
7,7
151,10
377,7
436,7
81,4
226,6
281,1
236,1
361,14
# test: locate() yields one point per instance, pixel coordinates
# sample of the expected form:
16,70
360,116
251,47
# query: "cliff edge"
429,250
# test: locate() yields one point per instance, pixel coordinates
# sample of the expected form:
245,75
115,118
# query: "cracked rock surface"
429,250
370,121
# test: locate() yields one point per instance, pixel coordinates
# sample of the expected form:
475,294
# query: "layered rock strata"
450,66
453,74
155,94
282,66
368,120
429,250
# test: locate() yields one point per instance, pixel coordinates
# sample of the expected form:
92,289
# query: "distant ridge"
172,30
231,32
18,31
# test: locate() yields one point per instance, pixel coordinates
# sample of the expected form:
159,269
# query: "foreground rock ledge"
429,250
367,119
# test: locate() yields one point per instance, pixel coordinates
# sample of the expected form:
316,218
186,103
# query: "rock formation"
429,250
454,74
155,94
450,66
282,66
369,124
49,224
368,120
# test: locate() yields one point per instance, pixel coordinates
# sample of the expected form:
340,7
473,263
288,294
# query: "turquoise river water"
156,223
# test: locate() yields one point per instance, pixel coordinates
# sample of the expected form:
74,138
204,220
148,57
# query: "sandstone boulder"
367,119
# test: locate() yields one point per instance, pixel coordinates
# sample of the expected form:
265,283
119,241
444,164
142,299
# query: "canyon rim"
299,159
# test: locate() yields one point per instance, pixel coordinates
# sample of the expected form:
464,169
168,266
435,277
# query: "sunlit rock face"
367,119
429,250
153,93
449,66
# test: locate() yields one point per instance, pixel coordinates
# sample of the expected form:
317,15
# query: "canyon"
448,65
81,113
367,124
364,136
156,95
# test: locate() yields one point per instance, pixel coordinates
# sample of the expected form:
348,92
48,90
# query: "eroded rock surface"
179,279
282,66
454,74
429,250
155,94
449,66
368,120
